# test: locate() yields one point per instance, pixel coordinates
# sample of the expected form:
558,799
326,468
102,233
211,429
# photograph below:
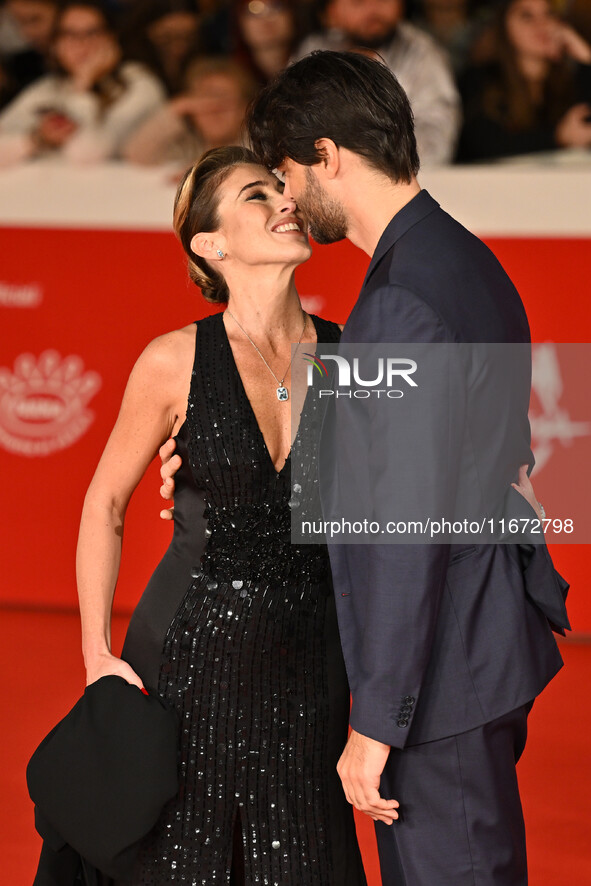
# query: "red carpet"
43,677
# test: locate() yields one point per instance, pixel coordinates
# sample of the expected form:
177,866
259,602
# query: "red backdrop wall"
101,296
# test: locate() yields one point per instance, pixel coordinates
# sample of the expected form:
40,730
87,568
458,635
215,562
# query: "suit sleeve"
400,459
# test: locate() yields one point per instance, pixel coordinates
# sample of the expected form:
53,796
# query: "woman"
209,114
88,107
536,96
267,33
455,24
237,630
164,35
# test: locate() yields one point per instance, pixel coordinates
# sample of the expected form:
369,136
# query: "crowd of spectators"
159,81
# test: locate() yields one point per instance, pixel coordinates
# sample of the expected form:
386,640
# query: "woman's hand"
569,43
100,61
185,106
525,488
106,664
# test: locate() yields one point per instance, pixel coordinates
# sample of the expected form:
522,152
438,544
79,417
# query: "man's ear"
208,246
330,157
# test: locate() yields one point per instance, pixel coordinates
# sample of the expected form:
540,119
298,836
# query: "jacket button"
409,699
406,709
402,722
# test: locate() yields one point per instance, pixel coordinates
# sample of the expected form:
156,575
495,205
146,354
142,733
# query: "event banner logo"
552,425
424,443
20,295
44,403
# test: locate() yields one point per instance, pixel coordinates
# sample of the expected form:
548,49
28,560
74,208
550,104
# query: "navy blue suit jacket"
441,638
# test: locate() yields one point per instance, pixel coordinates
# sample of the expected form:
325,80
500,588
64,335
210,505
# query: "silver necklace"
282,392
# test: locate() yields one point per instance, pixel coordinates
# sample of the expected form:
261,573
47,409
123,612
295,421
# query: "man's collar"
412,212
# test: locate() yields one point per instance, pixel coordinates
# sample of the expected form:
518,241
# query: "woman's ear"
208,246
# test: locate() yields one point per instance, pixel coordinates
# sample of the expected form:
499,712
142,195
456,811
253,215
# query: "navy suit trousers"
461,822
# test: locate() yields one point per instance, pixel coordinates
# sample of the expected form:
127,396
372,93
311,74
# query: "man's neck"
371,208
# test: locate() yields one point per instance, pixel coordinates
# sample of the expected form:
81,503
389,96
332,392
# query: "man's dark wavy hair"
347,97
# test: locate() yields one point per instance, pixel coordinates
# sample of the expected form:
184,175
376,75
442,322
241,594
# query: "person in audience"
25,23
87,108
536,95
35,20
164,36
267,33
455,25
209,114
421,67
11,39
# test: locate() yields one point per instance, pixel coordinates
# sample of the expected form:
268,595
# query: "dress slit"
237,870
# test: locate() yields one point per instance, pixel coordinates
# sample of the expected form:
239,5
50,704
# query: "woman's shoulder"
169,343
136,72
42,88
167,354
21,113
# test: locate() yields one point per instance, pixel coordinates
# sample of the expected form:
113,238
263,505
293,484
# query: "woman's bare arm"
152,408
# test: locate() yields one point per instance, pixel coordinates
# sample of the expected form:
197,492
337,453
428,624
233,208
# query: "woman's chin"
300,252
306,252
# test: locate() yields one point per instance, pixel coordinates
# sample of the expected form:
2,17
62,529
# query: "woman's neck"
533,68
266,304
271,59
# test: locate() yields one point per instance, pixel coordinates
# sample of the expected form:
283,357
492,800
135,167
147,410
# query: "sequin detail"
245,660
255,540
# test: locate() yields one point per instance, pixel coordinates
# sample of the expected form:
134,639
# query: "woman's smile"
288,226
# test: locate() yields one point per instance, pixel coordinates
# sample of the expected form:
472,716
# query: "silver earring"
220,253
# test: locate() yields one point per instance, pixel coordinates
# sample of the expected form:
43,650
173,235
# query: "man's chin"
324,238
372,41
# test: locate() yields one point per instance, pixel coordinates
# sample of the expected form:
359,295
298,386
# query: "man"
446,646
35,20
416,60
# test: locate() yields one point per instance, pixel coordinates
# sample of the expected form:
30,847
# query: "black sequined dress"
237,630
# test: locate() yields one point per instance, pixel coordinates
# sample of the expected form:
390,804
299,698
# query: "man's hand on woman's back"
170,465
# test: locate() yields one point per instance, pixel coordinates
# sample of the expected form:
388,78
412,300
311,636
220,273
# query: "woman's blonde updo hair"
196,210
